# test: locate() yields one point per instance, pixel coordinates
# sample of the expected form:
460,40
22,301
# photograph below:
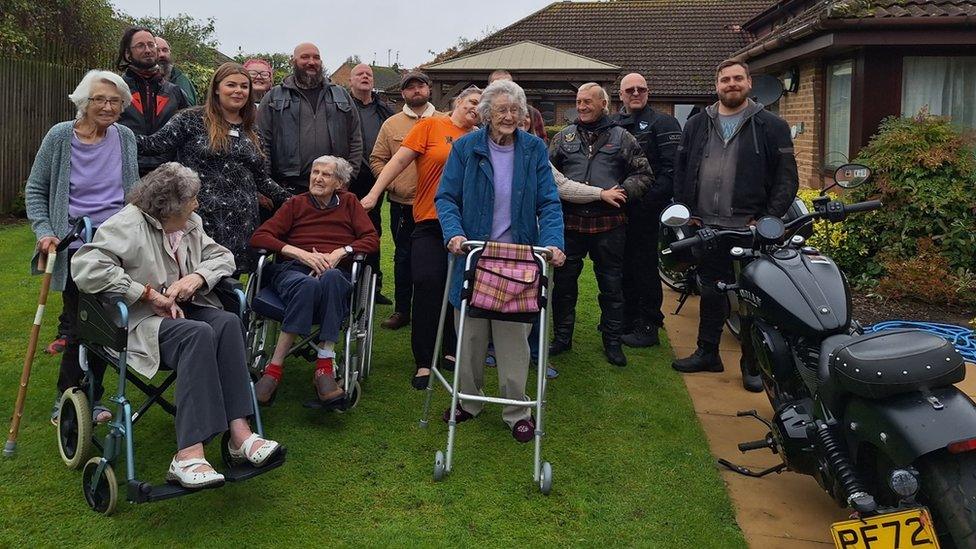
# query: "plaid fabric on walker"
506,279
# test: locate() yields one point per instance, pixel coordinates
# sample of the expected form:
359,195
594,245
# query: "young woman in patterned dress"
219,142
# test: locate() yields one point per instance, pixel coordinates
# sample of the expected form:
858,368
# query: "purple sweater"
96,178
503,167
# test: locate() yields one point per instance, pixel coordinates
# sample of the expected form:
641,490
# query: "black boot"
643,335
701,361
615,354
750,376
559,346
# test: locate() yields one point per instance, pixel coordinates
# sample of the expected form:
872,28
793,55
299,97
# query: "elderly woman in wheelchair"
315,234
156,256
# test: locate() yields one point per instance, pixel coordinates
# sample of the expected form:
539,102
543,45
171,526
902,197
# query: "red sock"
323,365
275,371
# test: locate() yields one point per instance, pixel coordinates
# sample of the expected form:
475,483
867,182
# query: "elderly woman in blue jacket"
503,171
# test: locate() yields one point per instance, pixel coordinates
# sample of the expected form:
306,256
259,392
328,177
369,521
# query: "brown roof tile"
677,43
870,9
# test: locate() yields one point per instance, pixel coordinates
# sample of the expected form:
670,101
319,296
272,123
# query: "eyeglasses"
635,90
100,102
255,74
144,46
514,110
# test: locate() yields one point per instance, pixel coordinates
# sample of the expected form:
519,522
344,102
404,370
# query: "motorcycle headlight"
903,483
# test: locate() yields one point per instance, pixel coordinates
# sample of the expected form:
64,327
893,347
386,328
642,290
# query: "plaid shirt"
593,225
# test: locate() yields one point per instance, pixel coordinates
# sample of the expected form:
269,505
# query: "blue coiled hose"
963,338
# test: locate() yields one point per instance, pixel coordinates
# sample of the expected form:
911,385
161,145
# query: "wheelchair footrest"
143,492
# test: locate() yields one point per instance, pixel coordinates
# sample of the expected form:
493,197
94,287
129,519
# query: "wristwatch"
347,249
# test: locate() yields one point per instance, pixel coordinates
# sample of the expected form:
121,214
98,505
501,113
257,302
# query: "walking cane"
45,263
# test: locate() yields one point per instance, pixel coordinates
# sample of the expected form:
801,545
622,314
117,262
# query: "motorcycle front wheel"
948,489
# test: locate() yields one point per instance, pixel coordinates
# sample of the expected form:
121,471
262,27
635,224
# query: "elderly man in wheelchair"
316,235
155,258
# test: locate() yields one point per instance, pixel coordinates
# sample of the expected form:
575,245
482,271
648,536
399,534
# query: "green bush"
553,130
925,174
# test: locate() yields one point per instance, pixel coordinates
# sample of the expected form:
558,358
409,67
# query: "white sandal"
268,449
179,472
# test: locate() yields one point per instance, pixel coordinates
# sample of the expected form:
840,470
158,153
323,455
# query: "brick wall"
805,106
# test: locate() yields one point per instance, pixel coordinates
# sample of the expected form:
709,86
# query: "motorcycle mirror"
676,215
771,228
851,175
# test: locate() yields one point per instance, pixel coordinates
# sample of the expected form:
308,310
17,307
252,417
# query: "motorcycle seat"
893,362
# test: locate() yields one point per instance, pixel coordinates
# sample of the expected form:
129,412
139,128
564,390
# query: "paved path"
781,511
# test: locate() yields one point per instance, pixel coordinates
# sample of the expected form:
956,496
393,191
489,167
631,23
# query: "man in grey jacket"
306,117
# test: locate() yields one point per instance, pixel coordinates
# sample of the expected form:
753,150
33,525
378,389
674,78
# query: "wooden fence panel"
33,97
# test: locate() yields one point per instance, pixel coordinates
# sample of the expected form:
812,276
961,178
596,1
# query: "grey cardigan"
46,193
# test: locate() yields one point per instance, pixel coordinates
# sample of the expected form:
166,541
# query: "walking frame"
542,470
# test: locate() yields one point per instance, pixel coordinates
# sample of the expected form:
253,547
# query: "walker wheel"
439,468
102,493
545,478
75,428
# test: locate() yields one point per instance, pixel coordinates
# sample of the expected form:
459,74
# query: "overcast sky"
367,28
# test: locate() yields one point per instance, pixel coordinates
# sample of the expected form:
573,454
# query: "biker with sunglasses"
658,135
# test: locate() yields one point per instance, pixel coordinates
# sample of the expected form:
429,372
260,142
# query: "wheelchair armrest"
103,319
230,292
359,257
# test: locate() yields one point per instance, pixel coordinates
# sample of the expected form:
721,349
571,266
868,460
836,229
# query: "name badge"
234,133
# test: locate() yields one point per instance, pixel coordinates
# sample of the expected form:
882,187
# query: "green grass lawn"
630,463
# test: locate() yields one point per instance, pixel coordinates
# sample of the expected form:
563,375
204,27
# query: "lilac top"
503,166
96,178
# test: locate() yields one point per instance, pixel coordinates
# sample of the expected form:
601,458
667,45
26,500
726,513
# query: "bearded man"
735,164
306,117
154,100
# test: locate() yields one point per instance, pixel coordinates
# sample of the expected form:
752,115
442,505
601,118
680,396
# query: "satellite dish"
766,89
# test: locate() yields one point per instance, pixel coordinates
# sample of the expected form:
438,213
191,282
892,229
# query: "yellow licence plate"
901,530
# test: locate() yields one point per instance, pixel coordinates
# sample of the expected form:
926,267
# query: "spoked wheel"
545,478
101,493
675,280
439,466
365,345
75,428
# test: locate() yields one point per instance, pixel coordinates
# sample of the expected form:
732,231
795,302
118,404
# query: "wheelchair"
103,331
265,311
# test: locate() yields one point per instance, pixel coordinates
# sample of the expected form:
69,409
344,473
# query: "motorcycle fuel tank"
801,293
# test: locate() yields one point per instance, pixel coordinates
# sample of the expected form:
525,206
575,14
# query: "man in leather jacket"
596,152
658,135
306,117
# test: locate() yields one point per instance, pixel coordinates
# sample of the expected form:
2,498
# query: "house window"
837,139
683,113
946,85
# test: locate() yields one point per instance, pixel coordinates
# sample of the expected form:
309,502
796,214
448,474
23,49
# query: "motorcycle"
876,419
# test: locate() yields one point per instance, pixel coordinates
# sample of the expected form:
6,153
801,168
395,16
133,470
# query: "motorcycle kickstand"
681,301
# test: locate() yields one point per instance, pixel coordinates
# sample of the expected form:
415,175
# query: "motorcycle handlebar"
863,206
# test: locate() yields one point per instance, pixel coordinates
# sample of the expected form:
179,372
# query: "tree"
82,33
354,59
190,40
280,63
462,44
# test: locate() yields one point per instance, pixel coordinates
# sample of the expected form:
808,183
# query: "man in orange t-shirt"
428,145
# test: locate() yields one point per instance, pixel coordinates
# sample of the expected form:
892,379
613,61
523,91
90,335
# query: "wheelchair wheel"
75,428
366,347
102,493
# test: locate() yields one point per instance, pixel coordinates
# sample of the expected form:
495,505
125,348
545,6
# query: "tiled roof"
879,10
677,43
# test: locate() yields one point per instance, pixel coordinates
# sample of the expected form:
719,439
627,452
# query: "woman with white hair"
84,167
498,186
316,233
156,255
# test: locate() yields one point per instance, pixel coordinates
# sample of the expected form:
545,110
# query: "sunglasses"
636,90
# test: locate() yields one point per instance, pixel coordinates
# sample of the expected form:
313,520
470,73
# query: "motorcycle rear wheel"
948,488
